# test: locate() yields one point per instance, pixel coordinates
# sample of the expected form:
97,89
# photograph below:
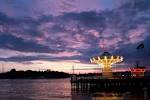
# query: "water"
54,89
41,89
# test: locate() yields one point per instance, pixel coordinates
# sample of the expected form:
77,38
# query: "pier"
134,80
93,85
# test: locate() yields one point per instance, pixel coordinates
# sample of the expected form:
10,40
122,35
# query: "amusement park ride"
106,59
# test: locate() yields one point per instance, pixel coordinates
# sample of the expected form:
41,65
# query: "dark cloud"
22,59
131,54
11,42
119,30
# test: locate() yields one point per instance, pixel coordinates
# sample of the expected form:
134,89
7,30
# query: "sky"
59,34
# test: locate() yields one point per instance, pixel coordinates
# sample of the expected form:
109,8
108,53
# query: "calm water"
57,89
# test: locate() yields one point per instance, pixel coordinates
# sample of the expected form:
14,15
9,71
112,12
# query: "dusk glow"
57,34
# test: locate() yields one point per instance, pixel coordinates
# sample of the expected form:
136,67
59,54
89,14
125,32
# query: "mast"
73,69
2,68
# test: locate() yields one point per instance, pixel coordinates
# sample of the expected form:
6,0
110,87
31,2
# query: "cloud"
8,41
76,35
54,7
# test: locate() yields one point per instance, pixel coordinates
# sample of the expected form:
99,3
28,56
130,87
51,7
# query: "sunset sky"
57,34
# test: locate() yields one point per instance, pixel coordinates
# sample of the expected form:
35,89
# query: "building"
138,72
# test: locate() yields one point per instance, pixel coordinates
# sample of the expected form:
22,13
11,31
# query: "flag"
140,46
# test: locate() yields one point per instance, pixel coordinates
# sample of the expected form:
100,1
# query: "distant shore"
29,74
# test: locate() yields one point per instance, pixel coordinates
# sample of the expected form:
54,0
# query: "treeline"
29,74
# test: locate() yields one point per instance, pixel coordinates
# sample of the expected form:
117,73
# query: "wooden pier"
89,84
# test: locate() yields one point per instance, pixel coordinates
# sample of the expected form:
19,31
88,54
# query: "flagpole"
138,48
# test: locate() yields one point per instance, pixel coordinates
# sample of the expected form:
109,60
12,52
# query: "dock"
93,85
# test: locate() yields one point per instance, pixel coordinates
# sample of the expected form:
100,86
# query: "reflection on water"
98,96
107,96
57,89
35,89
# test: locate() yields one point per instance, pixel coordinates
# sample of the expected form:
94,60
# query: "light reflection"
120,95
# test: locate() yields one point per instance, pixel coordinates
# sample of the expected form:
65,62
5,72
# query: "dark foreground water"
55,89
